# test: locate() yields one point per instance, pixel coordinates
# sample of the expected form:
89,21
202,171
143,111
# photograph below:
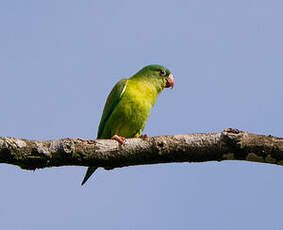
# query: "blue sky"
60,59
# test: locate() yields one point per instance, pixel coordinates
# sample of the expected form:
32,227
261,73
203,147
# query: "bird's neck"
149,82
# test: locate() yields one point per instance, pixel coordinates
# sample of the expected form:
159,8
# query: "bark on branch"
230,144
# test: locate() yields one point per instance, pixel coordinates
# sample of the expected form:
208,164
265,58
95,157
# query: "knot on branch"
232,137
233,140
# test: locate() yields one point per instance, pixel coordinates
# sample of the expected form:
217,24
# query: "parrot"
129,103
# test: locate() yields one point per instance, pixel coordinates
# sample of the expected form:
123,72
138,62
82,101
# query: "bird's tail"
89,172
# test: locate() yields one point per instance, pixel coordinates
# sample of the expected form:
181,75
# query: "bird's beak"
170,81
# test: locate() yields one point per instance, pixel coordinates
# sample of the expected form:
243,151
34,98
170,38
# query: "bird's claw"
143,136
120,139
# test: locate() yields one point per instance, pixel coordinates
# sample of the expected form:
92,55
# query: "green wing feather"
111,102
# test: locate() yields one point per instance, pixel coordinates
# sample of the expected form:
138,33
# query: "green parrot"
128,106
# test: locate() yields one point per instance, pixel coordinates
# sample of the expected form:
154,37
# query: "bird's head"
158,75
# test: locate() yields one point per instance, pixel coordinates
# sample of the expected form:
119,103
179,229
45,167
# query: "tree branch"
230,144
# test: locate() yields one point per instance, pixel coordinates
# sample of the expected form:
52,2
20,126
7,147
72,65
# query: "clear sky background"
60,59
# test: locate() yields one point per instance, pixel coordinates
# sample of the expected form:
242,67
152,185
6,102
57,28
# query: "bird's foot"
143,136
121,140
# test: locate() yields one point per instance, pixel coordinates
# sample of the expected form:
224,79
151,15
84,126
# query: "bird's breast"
134,110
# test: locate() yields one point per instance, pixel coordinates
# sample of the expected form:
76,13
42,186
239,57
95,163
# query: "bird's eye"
162,73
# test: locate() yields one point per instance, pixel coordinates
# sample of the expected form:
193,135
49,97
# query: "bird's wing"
111,102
